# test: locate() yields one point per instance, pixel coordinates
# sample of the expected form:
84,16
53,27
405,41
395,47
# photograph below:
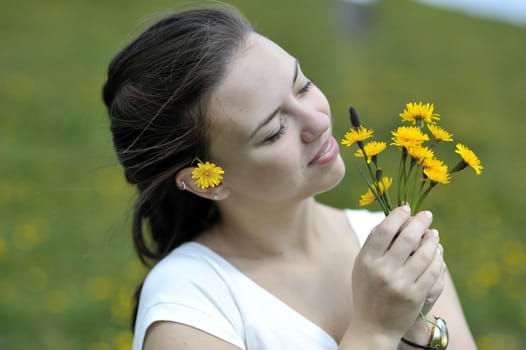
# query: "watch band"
415,345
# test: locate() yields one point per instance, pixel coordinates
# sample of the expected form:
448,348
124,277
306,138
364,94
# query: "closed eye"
305,88
276,136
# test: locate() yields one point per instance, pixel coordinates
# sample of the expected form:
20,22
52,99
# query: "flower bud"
354,117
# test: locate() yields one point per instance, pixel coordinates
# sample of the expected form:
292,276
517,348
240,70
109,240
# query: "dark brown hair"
157,93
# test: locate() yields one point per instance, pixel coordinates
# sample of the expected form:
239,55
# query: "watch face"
440,335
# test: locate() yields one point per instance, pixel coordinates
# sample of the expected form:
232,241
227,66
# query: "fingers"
418,262
434,272
382,235
410,237
435,291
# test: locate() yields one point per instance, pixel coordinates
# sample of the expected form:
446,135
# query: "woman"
256,262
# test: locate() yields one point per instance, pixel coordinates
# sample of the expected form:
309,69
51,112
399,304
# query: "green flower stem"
460,166
415,182
401,176
196,159
373,187
412,174
387,201
424,195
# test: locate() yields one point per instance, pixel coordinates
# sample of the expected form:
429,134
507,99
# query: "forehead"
258,76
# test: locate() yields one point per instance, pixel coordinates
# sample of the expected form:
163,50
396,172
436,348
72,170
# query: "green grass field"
67,269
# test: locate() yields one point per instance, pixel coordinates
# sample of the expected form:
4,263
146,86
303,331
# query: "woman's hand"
419,332
397,274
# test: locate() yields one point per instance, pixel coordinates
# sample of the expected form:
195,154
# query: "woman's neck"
269,231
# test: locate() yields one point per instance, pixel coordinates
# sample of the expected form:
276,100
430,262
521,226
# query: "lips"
327,152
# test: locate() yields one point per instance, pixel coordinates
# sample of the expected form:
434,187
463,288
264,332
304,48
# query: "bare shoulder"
176,336
332,213
335,217
338,225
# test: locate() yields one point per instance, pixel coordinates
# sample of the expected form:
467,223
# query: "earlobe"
185,182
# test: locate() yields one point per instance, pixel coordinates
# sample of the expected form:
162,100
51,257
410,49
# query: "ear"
184,182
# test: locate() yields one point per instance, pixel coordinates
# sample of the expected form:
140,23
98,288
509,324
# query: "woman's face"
271,128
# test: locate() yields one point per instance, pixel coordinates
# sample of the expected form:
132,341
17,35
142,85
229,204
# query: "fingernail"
406,208
428,214
434,233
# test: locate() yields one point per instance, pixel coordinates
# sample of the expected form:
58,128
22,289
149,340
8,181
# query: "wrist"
419,333
358,338
437,335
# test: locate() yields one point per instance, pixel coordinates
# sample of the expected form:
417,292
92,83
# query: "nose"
315,123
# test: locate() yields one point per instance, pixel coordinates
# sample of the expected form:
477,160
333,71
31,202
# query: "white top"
197,287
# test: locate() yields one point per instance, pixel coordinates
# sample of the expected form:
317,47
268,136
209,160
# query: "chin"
332,177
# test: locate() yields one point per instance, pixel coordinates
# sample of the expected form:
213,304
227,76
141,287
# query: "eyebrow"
273,114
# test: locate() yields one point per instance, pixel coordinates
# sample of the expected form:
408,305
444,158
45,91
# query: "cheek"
320,101
272,170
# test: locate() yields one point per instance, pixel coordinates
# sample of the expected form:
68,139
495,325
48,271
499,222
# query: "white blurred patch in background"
511,11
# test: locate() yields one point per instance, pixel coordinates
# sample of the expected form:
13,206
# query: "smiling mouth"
326,147
325,150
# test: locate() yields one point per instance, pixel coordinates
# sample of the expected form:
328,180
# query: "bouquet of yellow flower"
419,171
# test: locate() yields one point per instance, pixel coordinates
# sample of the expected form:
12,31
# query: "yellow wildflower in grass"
408,136
207,175
420,153
3,249
436,171
419,112
371,149
356,135
468,159
439,134
123,340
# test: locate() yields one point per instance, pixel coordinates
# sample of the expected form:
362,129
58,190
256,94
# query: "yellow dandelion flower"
356,135
408,136
384,184
437,175
419,112
469,158
439,134
371,149
367,198
436,171
434,163
420,153
207,175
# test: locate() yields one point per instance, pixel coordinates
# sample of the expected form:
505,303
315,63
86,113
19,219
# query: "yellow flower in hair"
419,112
439,134
207,175
371,149
356,135
408,136
468,159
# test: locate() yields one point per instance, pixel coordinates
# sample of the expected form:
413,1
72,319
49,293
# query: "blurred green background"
67,268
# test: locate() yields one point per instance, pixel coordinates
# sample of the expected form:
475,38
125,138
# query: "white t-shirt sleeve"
187,290
363,221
